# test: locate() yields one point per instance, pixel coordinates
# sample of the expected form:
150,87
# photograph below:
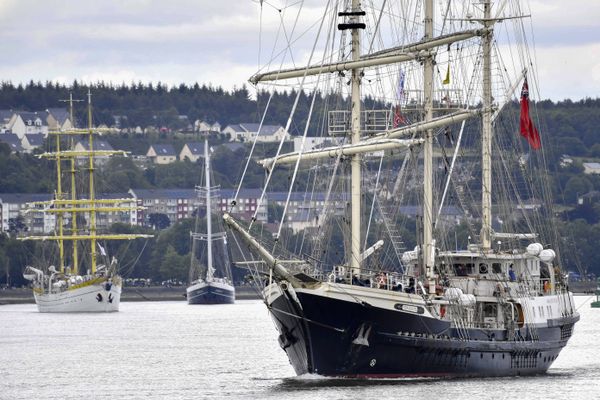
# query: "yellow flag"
446,80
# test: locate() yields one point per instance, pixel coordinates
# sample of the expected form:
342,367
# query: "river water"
169,350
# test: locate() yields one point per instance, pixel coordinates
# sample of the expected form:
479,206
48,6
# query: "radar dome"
535,248
547,255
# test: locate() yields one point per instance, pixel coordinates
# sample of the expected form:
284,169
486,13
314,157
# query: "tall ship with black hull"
82,278
208,284
479,294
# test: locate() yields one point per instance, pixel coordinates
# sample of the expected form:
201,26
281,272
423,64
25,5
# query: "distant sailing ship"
498,307
205,286
62,287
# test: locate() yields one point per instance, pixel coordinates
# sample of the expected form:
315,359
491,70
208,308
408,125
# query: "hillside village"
165,162
27,132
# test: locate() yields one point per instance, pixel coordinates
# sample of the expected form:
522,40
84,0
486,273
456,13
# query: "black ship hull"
209,293
333,337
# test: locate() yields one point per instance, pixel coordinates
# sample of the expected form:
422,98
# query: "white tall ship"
85,280
206,287
487,300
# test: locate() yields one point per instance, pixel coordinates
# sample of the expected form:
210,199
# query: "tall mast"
356,158
209,273
428,260
73,187
486,138
61,248
91,183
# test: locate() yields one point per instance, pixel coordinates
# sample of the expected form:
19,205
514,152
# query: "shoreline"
129,293
161,293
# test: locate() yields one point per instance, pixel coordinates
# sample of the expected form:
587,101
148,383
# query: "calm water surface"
169,350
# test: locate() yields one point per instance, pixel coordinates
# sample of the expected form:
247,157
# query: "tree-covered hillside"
567,128
160,106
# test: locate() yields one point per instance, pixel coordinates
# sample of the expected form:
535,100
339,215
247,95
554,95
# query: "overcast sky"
216,41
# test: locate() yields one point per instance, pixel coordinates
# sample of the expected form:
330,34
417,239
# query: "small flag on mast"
446,80
528,129
398,118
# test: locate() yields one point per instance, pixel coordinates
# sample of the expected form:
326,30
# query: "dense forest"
567,127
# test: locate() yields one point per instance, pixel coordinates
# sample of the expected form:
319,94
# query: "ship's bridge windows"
489,310
463,269
460,269
470,268
497,268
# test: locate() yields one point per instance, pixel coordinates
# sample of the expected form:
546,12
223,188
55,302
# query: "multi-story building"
178,204
13,205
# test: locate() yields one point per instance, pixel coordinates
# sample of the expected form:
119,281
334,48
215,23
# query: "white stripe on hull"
215,284
93,298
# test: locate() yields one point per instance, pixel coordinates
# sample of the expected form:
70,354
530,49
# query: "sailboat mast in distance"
209,289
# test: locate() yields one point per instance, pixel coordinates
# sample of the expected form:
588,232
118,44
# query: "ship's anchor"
99,297
110,298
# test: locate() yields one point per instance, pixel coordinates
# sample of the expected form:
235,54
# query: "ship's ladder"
387,214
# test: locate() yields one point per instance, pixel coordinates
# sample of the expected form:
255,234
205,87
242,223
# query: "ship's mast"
61,247
486,138
356,158
73,171
428,249
92,209
209,272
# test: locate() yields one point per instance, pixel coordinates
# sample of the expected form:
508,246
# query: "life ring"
442,311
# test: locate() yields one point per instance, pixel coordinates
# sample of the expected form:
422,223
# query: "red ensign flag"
528,130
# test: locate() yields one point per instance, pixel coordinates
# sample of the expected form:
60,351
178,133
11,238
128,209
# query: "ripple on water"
169,350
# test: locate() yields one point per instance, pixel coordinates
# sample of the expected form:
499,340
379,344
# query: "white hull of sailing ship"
64,290
99,296
216,291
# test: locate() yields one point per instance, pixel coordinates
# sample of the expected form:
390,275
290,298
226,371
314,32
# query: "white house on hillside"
58,119
315,142
33,123
203,126
30,142
162,154
247,132
98,145
192,151
591,168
